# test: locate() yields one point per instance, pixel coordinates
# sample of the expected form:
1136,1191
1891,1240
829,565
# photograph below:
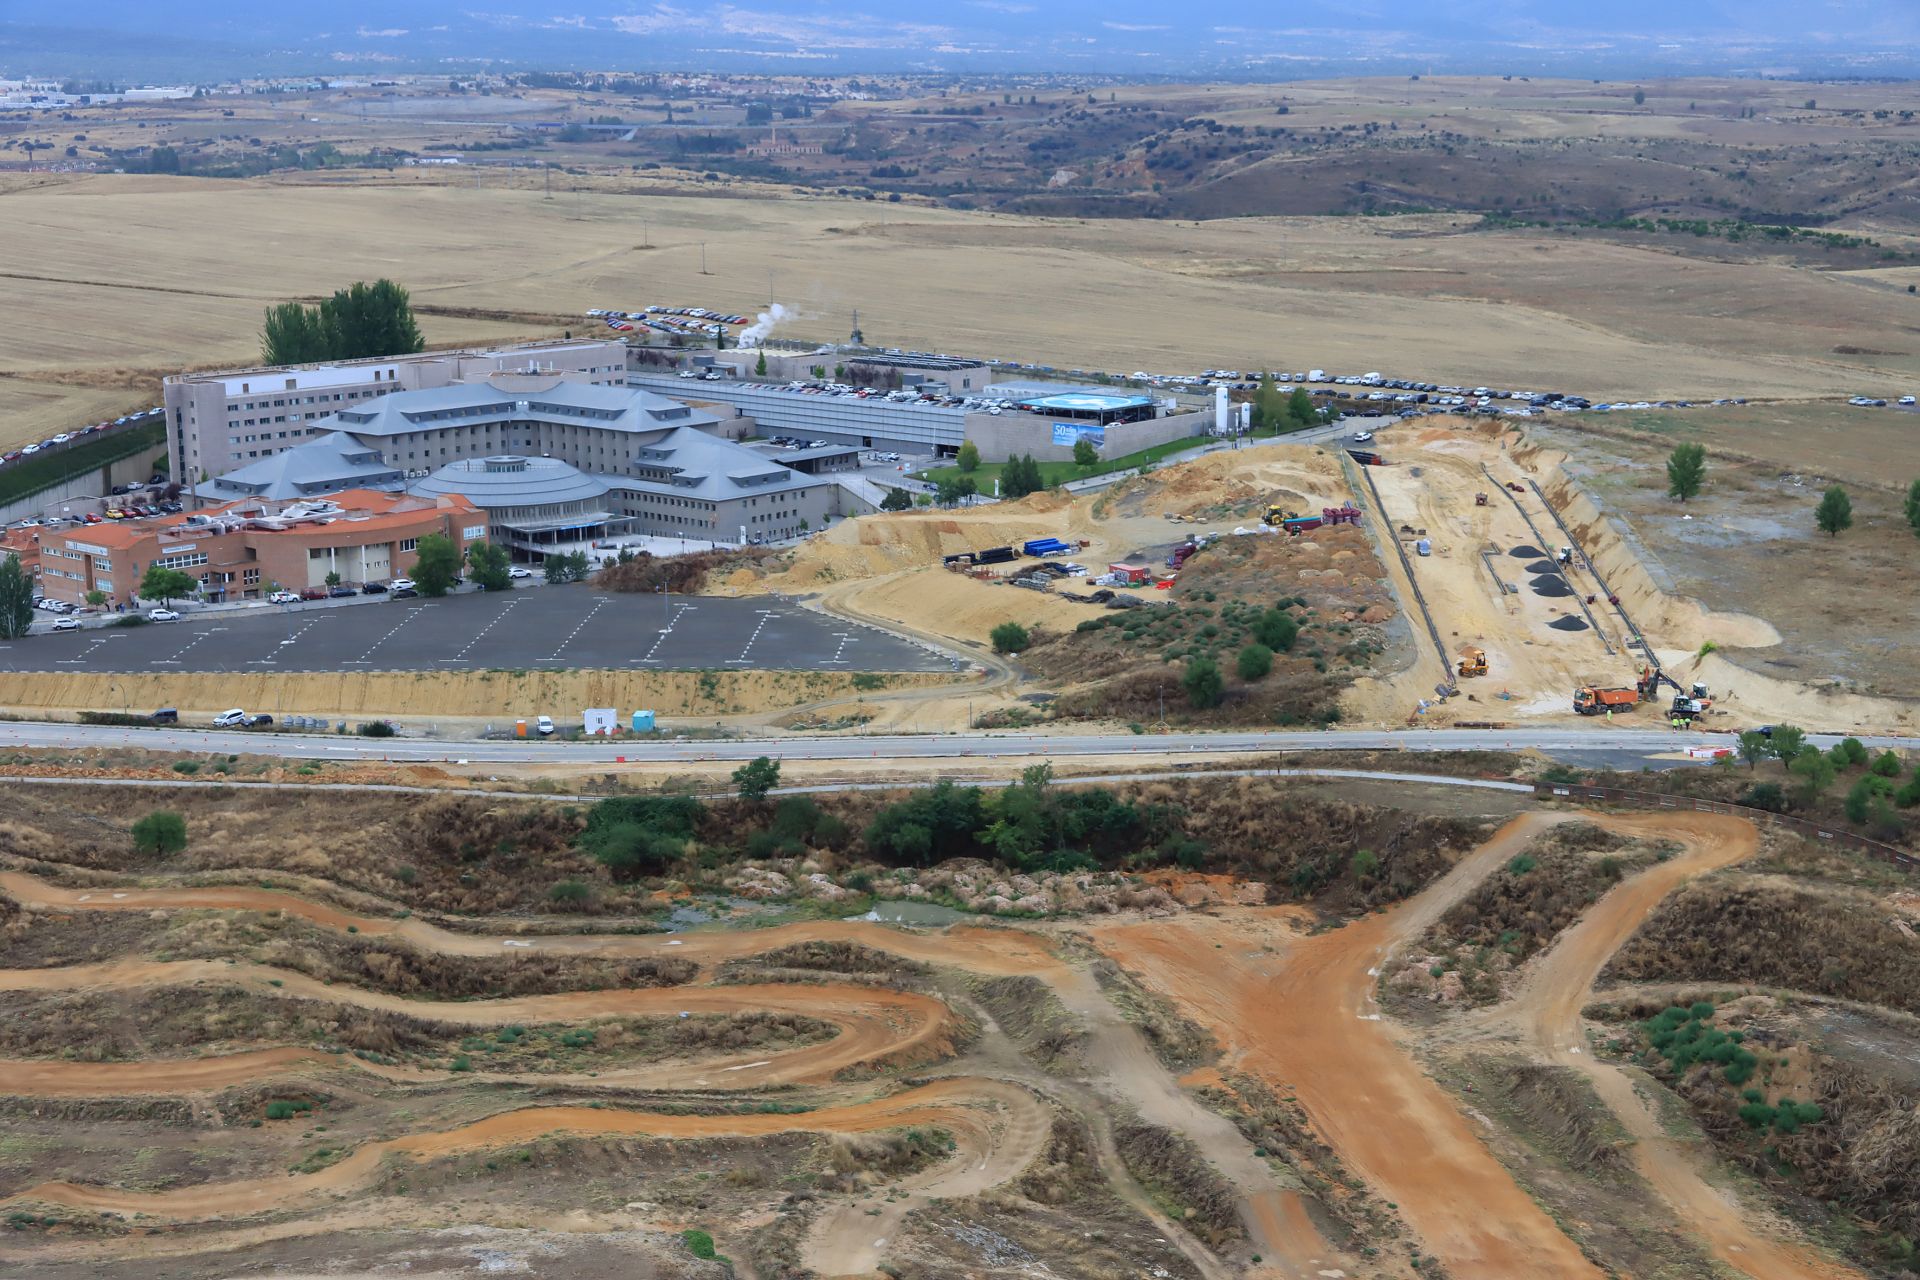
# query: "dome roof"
513,481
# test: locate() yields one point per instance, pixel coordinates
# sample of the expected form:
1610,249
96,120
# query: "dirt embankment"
499,695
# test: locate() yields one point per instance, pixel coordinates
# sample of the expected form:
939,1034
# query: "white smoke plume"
765,323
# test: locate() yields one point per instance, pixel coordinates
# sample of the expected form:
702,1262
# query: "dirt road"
1546,1012
876,1025
1299,1013
978,949
963,1107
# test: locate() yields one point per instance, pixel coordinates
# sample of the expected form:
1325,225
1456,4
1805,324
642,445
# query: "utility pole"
548,170
703,258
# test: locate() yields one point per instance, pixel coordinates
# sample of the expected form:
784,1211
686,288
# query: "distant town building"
792,147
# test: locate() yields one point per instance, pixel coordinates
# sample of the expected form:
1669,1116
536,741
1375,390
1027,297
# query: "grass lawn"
987,473
28,476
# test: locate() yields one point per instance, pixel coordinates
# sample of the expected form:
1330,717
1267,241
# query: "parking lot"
529,629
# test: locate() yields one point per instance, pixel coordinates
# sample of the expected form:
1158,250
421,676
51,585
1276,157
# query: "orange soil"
1547,1011
954,1105
1297,1012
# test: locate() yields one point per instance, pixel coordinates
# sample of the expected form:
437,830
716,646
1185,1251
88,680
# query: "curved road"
1596,746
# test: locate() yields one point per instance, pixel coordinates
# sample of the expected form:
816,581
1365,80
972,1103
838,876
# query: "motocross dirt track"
1546,1012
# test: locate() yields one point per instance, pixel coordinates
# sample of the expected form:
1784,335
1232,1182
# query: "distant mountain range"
1238,38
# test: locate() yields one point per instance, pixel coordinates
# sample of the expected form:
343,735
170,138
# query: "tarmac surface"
528,629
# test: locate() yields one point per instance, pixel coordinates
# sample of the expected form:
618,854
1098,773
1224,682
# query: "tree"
292,335
896,500
1300,408
1787,740
1254,662
952,492
16,599
1686,470
333,578
163,160
165,585
1277,630
1204,683
368,321
1913,508
1010,637
968,458
160,832
1887,765
1269,408
578,565
1084,453
760,366
756,778
556,570
1639,97
1816,772
1835,511
489,566
1020,477
1754,747
436,563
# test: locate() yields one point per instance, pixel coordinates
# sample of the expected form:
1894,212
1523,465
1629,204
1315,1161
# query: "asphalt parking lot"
529,629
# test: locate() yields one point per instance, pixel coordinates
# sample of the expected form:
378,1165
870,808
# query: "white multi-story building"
217,422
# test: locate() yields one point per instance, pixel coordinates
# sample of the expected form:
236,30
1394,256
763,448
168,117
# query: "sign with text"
1066,433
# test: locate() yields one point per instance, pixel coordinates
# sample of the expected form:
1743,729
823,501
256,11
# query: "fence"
1760,817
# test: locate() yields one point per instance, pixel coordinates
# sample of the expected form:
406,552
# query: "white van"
234,719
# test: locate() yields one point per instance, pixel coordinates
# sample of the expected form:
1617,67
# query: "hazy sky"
1234,37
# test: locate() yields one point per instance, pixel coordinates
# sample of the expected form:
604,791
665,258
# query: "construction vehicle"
1591,700
1479,499
1278,516
1692,705
1473,662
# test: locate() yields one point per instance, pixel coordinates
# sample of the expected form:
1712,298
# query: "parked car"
402,593
235,718
162,615
165,715
314,593
519,571
341,592
66,624
544,726
262,718
374,589
284,597
398,583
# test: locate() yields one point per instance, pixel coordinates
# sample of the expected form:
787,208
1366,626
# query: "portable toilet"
1424,546
519,728
643,722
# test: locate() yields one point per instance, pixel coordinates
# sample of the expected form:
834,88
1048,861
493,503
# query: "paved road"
1618,747
527,629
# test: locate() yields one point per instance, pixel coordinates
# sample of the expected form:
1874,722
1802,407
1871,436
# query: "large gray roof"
512,481
518,398
691,462
324,464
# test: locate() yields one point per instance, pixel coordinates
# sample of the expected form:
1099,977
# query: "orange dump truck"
1590,700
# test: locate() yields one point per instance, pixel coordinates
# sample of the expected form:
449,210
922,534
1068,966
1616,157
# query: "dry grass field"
114,280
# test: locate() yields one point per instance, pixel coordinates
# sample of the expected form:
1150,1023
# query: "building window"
409,544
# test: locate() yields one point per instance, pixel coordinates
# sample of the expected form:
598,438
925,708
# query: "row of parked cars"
78,433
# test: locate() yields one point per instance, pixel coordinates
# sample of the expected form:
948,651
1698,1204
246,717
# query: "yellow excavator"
1473,662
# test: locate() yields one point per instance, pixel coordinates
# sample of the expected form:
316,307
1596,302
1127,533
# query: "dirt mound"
1298,477
879,544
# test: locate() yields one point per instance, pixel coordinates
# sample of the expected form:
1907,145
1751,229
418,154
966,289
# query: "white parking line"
673,616
483,631
600,602
845,639
766,616
412,613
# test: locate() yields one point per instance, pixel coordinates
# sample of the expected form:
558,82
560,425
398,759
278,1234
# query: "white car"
1907,400
519,571
399,584
66,624
234,719
1362,437
162,615
284,597
544,726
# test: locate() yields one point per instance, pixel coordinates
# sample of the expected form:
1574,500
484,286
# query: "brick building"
244,549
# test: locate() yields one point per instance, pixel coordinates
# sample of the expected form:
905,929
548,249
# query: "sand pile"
880,544
1300,477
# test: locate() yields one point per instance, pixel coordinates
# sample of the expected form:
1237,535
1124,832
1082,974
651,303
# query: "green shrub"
1204,684
1010,637
570,891
160,832
377,729
699,1243
186,766
1887,765
1764,795
1521,864
1254,662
